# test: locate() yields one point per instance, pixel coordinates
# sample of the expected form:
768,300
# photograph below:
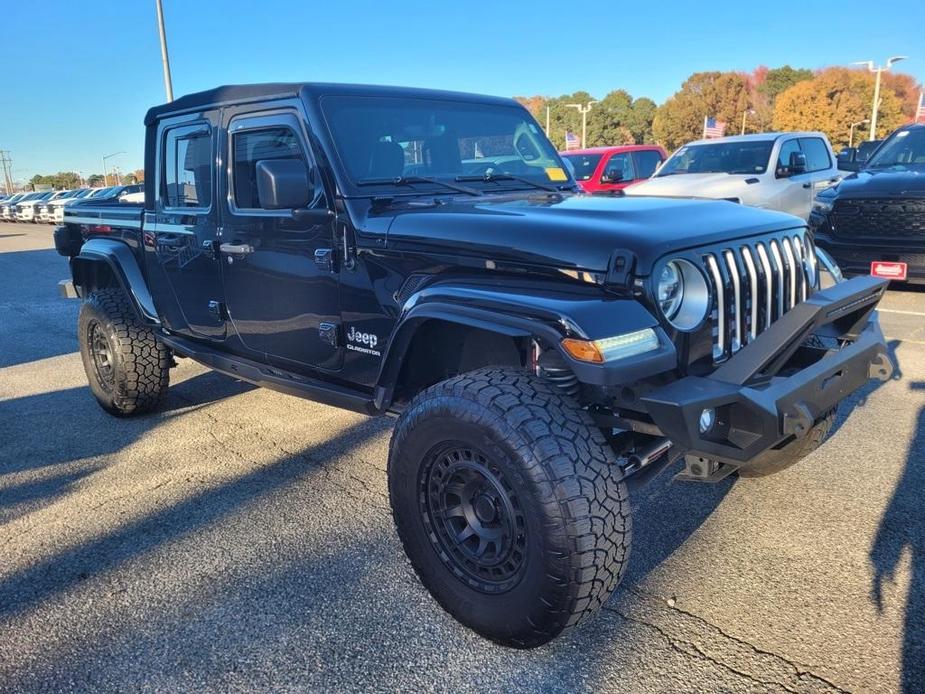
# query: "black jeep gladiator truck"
427,254
873,221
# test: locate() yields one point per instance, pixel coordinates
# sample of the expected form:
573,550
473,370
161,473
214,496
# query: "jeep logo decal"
362,342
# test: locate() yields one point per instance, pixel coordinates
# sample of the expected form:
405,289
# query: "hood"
885,183
704,185
571,231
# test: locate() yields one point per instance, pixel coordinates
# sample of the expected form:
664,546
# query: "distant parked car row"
48,206
866,207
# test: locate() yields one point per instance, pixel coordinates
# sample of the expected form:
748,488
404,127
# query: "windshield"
903,150
719,157
381,139
584,164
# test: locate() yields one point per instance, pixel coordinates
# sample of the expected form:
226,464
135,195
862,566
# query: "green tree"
721,95
833,100
94,180
780,79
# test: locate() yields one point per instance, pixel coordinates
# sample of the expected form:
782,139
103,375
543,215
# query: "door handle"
807,185
236,248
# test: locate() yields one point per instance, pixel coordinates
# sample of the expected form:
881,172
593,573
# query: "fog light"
707,420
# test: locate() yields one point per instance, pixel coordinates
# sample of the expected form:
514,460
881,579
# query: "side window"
817,154
252,146
783,160
620,168
187,179
647,161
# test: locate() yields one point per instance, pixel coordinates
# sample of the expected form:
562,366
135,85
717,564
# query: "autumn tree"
905,88
833,100
721,95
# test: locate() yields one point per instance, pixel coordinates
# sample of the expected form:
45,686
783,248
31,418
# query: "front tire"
509,504
128,369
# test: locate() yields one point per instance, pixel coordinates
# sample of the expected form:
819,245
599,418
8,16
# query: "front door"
794,191
281,290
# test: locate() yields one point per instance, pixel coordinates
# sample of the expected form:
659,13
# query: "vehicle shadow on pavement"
902,529
665,515
63,571
67,425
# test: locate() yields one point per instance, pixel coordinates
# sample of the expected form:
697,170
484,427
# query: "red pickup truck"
607,169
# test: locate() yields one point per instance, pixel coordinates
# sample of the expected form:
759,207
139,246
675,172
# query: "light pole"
851,130
105,174
584,110
165,61
878,71
744,115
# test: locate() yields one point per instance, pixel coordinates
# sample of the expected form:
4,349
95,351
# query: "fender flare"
120,260
525,315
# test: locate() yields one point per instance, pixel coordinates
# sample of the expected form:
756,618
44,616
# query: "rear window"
647,161
187,179
817,154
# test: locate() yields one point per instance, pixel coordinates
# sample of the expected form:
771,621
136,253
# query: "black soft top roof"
235,93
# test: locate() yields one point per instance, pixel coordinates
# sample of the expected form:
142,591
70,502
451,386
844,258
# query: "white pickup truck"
777,171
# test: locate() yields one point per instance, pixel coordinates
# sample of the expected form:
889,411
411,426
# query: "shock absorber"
549,365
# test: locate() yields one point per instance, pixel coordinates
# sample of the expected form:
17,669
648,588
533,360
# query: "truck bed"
111,213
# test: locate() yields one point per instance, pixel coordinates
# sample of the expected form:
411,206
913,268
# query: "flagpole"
918,111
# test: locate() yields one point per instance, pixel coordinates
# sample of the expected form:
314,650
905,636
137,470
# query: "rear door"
281,289
647,161
181,232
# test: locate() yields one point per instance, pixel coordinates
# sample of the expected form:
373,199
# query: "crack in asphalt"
691,649
800,669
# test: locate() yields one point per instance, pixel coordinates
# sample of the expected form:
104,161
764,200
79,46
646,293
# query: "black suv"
427,254
874,220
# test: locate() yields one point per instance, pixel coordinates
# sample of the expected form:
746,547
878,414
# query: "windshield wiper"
493,177
409,180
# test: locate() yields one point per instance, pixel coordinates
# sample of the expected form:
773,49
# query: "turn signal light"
582,350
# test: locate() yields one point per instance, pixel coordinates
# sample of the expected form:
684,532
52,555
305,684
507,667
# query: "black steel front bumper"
772,391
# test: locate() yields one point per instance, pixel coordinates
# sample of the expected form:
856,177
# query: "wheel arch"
441,341
104,263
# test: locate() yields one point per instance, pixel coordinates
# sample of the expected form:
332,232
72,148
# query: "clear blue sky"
78,76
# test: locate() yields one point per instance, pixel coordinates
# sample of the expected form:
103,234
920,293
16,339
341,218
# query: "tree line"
784,98
67,180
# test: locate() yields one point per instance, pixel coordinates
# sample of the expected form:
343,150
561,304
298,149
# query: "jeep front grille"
755,283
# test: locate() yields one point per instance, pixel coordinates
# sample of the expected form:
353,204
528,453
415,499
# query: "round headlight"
670,290
683,294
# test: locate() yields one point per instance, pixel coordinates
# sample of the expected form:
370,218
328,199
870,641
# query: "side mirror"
847,155
797,164
283,184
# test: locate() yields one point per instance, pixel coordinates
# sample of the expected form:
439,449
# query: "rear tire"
509,503
128,369
777,461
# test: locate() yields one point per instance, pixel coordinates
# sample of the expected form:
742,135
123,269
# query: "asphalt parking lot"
241,539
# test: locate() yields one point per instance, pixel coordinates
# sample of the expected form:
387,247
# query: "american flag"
713,128
572,141
920,111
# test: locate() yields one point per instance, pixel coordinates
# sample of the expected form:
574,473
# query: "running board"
273,378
